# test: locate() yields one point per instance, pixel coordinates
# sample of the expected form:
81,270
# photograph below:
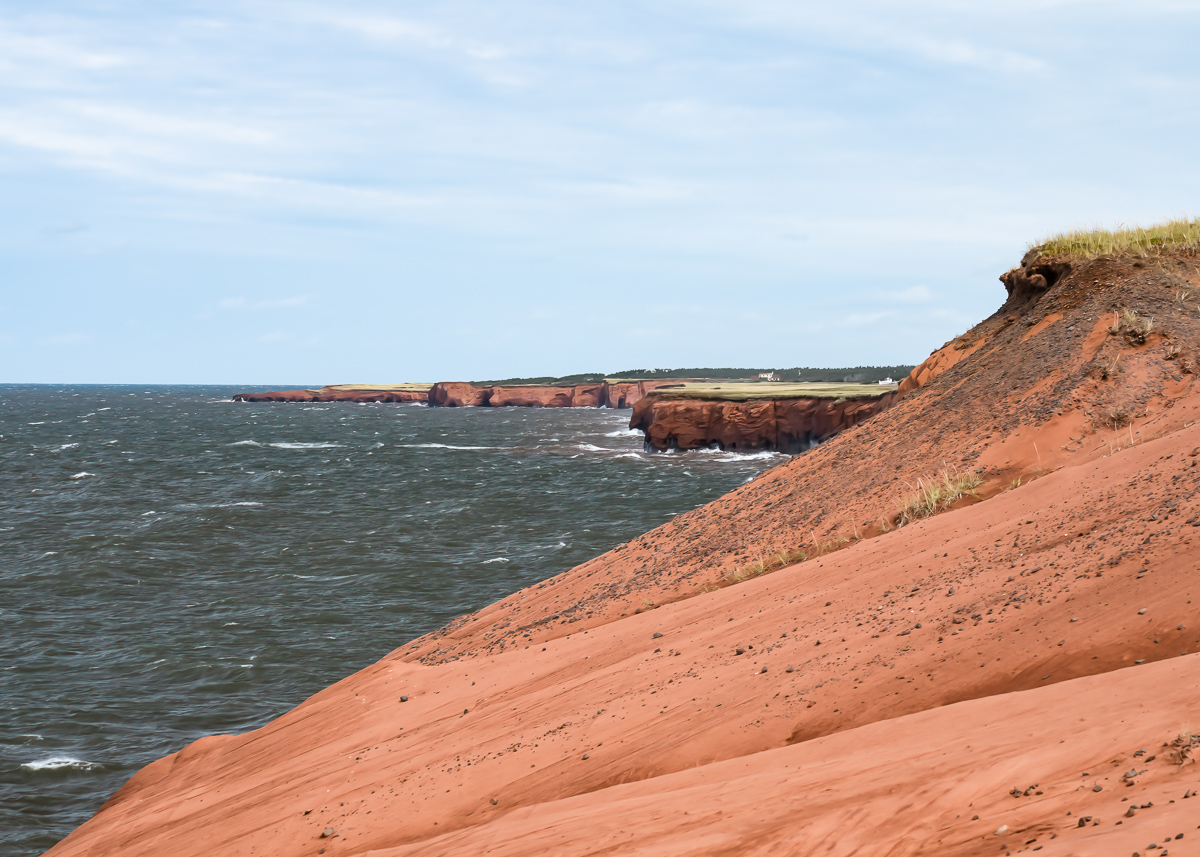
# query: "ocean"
174,564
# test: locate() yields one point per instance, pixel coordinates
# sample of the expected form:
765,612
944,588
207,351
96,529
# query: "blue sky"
319,192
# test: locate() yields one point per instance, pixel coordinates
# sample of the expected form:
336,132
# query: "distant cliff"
624,394
786,425
336,394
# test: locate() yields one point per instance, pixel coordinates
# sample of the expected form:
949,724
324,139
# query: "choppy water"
173,564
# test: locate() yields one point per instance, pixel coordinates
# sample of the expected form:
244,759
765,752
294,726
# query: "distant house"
767,376
887,381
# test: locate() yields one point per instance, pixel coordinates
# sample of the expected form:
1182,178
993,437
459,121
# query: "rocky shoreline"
678,422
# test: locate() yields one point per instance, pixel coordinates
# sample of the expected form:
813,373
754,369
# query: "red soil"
885,698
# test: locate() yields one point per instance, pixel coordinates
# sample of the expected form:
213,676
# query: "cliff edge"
1015,672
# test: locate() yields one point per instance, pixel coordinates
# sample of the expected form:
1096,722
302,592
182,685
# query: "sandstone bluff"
1019,672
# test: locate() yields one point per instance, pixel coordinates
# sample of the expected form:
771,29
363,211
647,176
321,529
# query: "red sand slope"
871,701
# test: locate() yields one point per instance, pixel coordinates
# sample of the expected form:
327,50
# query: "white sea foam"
320,445
66,446
624,433
49,553
592,448
497,559
442,446
246,443
83,474
628,455
58,763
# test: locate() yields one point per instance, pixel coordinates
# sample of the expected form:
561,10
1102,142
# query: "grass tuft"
1135,325
1171,235
936,495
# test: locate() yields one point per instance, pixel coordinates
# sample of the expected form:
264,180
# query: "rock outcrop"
786,425
624,394
335,394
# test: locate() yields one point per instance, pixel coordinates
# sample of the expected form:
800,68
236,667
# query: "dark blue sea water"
173,564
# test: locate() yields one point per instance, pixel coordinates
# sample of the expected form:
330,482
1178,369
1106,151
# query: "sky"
300,193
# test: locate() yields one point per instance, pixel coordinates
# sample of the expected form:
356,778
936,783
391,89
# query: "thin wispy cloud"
425,161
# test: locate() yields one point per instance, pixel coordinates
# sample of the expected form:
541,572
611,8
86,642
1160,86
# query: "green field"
743,391
413,387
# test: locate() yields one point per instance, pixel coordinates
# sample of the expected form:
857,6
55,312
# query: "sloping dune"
883,698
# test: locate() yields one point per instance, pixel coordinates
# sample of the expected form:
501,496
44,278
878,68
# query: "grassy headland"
1169,236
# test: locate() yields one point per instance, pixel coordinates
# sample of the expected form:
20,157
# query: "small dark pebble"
764,669
1097,787
404,699
327,832
495,801
586,757
657,634
790,669
741,651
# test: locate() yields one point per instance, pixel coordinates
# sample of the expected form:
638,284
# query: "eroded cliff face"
882,698
332,394
452,394
786,425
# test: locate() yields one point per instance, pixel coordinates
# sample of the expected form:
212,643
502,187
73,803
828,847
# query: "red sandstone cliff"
334,394
1019,673
787,425
622,394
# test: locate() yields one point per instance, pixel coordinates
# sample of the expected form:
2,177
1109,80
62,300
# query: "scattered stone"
1074,618
327,832
740,651
1143,610
495,801
307,811
657,634
1001,830
586,757
404,699
1130,813
790,669
764,669
1097,788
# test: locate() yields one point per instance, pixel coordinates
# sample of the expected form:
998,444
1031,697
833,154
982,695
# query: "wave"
443,446
66,446
497,559
318,445
246,443
593,448
624,433
83,474
59,763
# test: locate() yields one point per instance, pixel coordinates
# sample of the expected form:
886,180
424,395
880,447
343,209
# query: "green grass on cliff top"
740,392
1134,240
413,387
